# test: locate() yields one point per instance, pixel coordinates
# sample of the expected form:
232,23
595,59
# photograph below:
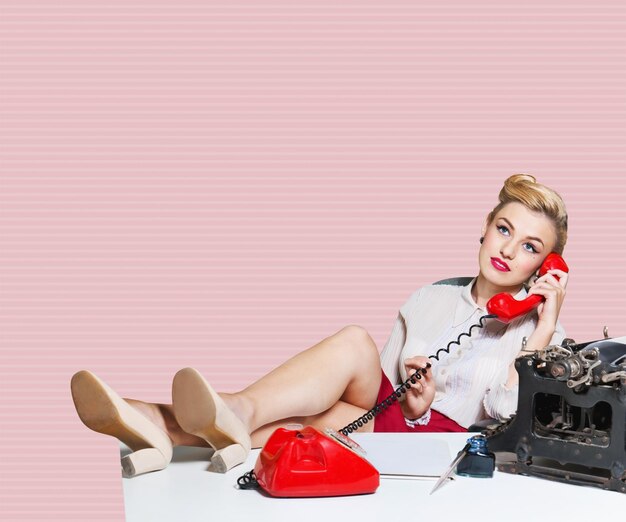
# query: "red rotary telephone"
309,463
506,308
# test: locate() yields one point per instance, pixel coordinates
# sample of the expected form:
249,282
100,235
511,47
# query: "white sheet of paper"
405,454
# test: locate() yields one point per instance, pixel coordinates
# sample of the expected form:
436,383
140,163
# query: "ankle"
241,407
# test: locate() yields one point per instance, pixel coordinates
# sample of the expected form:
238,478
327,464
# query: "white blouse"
470,380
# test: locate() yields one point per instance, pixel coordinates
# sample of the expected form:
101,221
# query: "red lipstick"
498,264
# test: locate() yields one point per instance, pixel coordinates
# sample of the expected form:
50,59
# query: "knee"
359,340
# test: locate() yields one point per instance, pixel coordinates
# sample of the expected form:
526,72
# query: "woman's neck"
483,290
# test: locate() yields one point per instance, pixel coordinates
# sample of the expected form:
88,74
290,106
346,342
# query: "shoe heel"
228,457
143,461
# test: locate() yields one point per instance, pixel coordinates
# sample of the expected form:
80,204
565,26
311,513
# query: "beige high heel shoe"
104,411
201,411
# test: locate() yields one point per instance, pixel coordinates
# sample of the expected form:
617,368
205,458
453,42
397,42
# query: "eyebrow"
513,228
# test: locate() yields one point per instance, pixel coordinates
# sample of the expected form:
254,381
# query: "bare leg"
330,384
343,367
335,417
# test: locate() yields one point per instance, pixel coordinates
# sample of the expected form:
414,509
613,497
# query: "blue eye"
530,248
503,230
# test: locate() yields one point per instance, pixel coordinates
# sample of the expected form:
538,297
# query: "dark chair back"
455,281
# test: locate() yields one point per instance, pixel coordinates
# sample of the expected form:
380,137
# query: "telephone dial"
309,463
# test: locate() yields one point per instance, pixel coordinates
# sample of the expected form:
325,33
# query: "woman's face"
516,243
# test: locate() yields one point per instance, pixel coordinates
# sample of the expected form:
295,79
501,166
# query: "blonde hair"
524,189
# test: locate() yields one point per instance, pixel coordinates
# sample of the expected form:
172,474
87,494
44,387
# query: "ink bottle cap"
478,461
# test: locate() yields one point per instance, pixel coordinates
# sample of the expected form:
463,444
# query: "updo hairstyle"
524,189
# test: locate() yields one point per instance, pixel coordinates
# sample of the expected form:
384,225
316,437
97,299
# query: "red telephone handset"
506,308
309,463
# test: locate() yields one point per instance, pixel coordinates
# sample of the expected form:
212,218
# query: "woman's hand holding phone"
419,398
551,287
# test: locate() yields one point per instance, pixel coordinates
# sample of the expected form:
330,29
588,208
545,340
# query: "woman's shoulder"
434,295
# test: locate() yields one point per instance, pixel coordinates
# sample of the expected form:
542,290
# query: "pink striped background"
222,184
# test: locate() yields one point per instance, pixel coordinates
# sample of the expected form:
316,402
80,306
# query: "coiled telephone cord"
479,324
248,480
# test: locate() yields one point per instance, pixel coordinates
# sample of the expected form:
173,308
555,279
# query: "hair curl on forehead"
524,189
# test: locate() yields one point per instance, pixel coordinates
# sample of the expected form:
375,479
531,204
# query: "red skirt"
392,419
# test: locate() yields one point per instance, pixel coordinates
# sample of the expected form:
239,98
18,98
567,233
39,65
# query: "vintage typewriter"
570,424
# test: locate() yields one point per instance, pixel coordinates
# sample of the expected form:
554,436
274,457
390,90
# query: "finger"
543,289
427,372
543,278
550,279
542,285
561,276
417,363
417,373
550,295
564,279
417,387
417,359
428,381
417,378
553,285
557,272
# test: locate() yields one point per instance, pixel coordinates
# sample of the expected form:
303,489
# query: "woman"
340,379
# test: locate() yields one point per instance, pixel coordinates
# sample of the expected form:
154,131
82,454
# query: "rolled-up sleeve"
500,402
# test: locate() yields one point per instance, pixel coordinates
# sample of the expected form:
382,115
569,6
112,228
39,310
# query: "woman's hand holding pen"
421,394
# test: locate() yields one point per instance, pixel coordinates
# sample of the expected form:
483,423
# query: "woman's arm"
553,291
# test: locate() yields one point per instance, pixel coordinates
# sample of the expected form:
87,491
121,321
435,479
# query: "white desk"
186,491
